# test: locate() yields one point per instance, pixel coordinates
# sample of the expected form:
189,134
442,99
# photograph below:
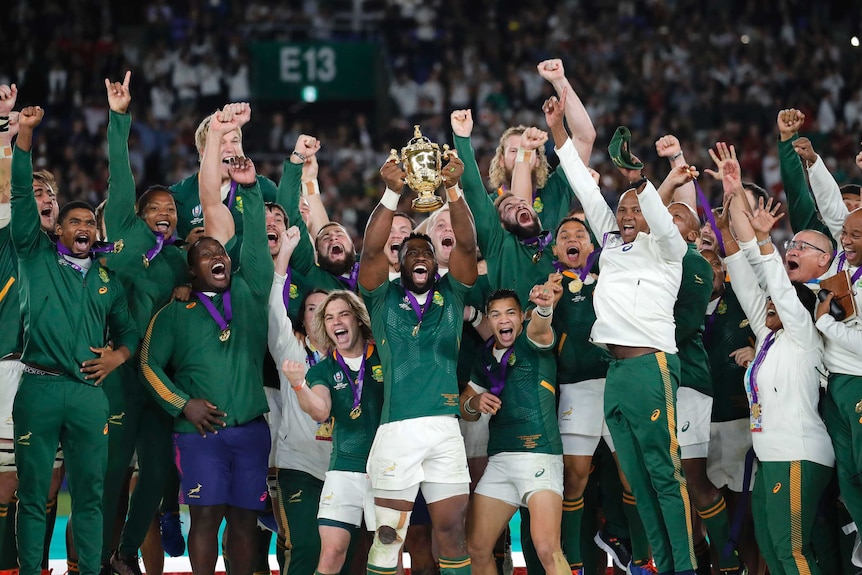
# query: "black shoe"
614,547
125,564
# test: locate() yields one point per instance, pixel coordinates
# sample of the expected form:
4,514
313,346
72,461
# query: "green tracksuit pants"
640,403
148,430
48,410
844,424
783,505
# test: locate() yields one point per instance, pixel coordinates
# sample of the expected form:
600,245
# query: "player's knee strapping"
391,530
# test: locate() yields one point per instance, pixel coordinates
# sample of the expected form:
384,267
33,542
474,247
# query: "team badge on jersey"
377,373
538,206
294,291
197,211
239,204
722,307
437,299
103,275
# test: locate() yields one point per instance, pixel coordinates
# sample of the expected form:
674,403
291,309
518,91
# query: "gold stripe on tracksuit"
796,518
670,408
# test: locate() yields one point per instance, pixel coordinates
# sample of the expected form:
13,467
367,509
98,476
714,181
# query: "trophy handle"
393,156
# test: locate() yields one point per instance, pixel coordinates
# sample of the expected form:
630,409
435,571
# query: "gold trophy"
421,160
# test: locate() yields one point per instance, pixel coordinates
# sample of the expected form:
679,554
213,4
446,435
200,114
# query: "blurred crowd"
701,71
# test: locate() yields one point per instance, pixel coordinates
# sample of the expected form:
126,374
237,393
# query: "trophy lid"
419,141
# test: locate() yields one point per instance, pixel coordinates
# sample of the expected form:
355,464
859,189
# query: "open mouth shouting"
395,246
81,245
506,336
448,242
525,218
163,226
336,251
420,274
219,271
272,238
342,336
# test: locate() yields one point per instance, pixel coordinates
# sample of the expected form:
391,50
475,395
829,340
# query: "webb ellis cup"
421,159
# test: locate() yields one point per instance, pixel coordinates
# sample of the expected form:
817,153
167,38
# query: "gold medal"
575,285
356,412
755,410
146,261
118,246
225,334
859,406
537,256
416,329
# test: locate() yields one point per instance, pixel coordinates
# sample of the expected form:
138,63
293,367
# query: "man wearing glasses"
807,256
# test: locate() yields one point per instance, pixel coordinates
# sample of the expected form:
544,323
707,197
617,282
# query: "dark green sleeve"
268,189
121,324
289,192
256,261
488,230
694,295
156,349
25,227
800,204
557,195
120,207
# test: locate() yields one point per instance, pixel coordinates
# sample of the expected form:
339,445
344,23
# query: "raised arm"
669,147
797,320
255,261
283,344
373,265
826,192
462,260
489,233
545,296
583,132
525,161
317,216
25,227
120,206
597,211
313,395
289,194
800,204
8,129
662,228
218,219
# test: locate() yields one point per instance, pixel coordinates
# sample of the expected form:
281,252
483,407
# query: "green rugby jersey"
419,371
10,309
554,201
527,418
352,438
510,263
695,291
471,341
148,286
183,339
64,311
727,330
577,358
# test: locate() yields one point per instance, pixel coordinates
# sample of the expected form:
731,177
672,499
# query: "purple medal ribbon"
356,386
350,282
64,251
231,196
154,251
704,203
498,381
419,310
221,321
539,242
752,381
582,272
842,259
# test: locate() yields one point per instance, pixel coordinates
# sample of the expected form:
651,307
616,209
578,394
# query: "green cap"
621,156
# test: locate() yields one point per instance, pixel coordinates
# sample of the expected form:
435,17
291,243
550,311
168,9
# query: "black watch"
638,183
